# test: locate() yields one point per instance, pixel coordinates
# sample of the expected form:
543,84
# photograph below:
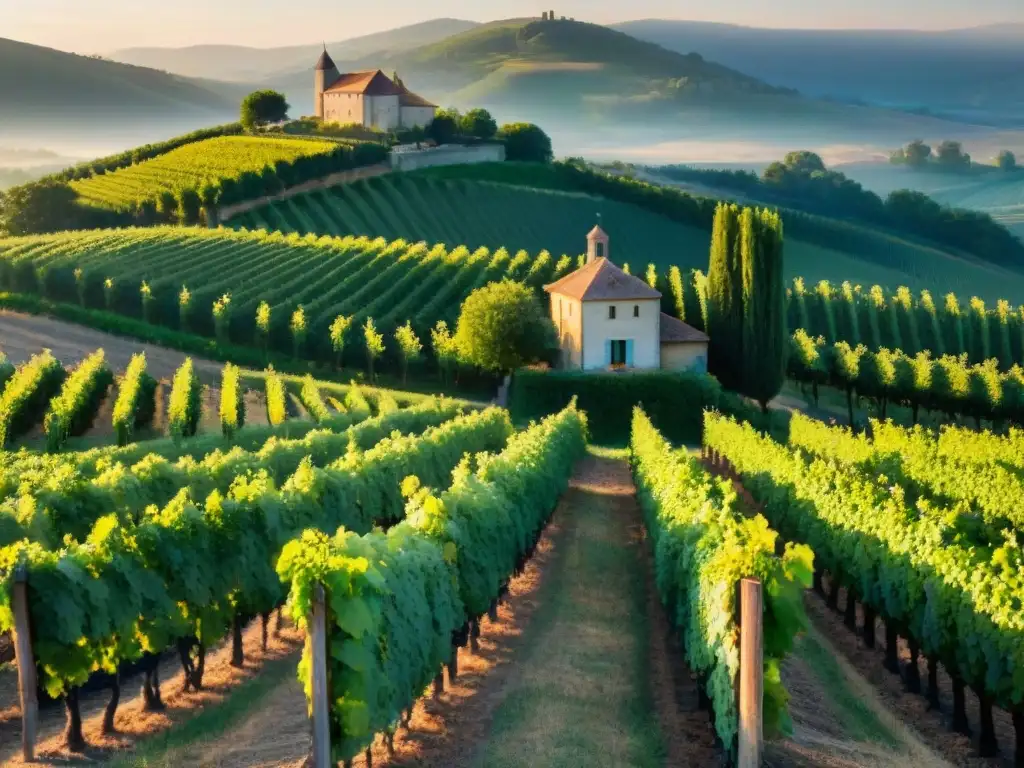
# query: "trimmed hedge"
674,400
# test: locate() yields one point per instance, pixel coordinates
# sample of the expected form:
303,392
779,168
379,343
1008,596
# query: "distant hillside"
245,64
968,74
562,64
41,84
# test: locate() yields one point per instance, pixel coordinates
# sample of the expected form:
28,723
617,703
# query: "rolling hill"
56,97
244,64
464,205
568,63
967,74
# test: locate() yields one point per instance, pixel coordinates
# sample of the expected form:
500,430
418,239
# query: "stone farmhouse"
369,98
607,319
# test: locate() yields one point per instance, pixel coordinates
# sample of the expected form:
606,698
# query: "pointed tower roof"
325,62
597,233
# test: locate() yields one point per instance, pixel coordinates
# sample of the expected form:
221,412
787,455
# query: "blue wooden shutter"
629,352
607,352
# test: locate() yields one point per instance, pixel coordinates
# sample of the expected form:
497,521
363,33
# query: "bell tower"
597,243
324,76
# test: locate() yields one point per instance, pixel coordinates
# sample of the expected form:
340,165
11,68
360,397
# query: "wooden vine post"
317,639
751,732
26,665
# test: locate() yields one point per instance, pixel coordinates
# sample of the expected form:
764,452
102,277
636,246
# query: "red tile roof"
600,280
370,83
675,331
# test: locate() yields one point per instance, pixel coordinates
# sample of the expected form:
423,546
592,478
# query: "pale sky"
97,26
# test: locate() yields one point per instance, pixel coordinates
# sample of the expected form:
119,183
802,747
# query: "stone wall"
448,154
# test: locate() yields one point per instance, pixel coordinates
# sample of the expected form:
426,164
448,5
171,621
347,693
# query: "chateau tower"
597,244
325,75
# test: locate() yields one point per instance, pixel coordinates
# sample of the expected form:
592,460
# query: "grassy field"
192,165
439,206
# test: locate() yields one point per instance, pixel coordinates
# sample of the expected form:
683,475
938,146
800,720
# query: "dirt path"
342,177
572,673
22,336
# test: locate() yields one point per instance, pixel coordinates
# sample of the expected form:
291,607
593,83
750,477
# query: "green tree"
502,326
184,307
526,142
409,347
479,123
190,206
146,295
443,128
804,162
222,318
916,154
299,328
167,206
262,107
43,206
725,298
337,330
951,155
445,349
765,342
263,325
374,344
1006,161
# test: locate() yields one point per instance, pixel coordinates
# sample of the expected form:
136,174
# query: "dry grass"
134,726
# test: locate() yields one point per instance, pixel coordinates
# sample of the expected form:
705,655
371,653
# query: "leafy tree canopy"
503,327
43,206
526,142
261,107
1006,160
479,123
443,128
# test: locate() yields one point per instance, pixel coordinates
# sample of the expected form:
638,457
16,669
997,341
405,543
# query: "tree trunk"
933,683
73,738
277,622
474,636
869,626
492,612
197,679
237,651
111,710
850,618
960,723
988,745
892,660
369,757
913,677
185,645
833,592
818,585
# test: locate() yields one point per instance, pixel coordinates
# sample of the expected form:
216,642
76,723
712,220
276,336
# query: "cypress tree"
725,298
675,281
695,299
765,342
952,326
850,312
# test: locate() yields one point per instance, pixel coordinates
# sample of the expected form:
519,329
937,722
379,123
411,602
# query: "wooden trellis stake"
751,731
26,665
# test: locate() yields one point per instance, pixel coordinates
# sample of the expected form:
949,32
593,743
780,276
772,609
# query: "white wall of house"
382,112
567,314
685,356
643,333
343,107
413,117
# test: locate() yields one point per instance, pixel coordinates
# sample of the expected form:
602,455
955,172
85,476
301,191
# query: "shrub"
232,402
73,410
135,402
186,405
675,401
27,393
309,395
277,408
